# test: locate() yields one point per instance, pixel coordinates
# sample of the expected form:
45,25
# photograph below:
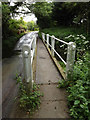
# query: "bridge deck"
54,103
46,71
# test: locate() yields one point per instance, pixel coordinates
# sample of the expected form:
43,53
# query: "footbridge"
40,65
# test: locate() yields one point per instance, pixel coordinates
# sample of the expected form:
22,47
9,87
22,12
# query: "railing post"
43,37
35,42
27,66
33,45
53,45
70,60
47,39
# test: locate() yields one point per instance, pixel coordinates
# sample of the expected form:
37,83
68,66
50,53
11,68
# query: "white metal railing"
71,48
28,52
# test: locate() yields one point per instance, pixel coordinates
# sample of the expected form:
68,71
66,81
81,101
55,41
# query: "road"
10,67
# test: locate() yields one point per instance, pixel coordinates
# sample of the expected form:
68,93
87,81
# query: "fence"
28,53
71,48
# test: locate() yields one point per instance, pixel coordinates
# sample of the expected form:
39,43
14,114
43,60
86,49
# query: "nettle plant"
28,101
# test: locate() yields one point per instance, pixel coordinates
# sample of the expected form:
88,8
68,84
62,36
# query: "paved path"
54,103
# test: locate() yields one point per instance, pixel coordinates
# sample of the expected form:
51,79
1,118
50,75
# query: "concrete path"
54,103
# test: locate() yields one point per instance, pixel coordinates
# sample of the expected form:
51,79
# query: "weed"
79,90
28,101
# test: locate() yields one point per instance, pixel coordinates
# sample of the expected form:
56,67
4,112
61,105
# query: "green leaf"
82,106
86,42
76,102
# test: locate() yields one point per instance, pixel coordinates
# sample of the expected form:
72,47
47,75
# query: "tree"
9,30
69,13
42,11
31,25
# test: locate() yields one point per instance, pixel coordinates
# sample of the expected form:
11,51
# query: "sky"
28,17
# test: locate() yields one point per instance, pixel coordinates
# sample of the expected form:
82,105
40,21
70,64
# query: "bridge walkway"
54,102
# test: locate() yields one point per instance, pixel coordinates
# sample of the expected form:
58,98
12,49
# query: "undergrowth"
79,90
28,101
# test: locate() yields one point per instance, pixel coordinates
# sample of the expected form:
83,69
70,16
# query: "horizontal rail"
57,54
71,48
59,40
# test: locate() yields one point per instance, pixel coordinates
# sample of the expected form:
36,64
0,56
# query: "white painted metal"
47,39
70,53
57,54
27,66
43,36
28,52
60,57
53,45
60,40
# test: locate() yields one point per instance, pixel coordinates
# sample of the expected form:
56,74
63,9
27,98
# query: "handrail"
53,37
59,40
28,53
71,46
57,54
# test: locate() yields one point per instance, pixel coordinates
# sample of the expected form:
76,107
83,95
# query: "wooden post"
47,40
70,60
53,45
27,66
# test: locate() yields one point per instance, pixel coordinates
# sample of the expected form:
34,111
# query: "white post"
53,45
33,46
43,37
35,38
35,41
27,66
47,40
70,60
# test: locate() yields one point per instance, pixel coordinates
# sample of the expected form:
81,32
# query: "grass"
62,32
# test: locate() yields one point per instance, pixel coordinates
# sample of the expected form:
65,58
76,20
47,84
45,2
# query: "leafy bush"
10,29
79,90
28,101
61,32
82,44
